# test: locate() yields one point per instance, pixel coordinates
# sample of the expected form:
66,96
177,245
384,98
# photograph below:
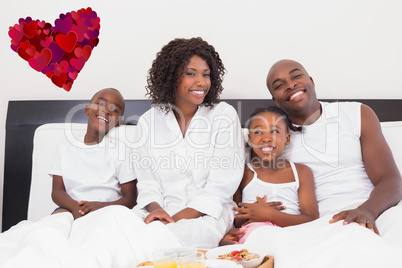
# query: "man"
356,177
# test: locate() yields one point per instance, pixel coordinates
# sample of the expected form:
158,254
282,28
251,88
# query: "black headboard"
23,117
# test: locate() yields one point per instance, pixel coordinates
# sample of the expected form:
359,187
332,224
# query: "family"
311,175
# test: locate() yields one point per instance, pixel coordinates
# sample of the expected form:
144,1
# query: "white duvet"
116,237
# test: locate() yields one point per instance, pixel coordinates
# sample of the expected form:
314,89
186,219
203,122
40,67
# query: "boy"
87,174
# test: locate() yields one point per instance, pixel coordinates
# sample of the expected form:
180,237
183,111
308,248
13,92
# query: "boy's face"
105,110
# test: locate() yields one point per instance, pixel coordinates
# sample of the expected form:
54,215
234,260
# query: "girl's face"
194,84
268,135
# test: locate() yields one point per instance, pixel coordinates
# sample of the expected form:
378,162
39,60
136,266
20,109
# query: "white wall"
352,48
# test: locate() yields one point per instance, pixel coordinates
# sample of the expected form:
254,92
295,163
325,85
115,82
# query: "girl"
192,159
269,177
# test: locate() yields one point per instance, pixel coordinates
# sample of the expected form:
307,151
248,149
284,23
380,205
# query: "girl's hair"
169,66
272,109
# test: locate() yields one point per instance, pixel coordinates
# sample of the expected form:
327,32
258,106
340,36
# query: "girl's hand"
159,214
87,206
257,212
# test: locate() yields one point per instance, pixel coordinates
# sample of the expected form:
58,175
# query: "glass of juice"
165,258
192,260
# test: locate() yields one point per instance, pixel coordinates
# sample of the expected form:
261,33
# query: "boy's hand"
159,214
76,212
87,206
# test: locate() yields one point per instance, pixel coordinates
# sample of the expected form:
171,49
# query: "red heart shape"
59,80
83,52
24,45
48,50
78,63
67,42
37,64
15,34
30,29
47,54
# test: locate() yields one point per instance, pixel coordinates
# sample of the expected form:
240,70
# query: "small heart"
73,75
31,50
37,64
67,42
64,25
93,34
30,28
15,35
24,45
50,74
46,42
59,80
78,63
47,54
19,27
23,54
41,24
83,52
67,86
94,42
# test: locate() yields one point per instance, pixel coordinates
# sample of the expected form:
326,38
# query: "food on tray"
145,263
236,255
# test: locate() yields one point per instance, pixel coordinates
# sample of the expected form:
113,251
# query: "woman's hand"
159,214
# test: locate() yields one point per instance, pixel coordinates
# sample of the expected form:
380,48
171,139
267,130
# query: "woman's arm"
157,213
238,196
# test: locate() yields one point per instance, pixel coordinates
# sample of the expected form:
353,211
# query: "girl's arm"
261,211
129,196
307,198
62,199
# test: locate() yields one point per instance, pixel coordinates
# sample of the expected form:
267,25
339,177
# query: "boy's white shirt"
93,172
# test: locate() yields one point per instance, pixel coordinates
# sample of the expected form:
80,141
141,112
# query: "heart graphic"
60,51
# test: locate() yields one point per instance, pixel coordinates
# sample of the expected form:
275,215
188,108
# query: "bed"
25,117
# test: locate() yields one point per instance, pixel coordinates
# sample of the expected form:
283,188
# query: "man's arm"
382,171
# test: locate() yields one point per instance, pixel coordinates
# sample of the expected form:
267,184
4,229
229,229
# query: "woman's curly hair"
169,66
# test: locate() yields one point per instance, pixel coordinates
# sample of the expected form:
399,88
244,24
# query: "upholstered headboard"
24,117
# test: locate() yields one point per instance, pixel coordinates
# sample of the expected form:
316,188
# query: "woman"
193,143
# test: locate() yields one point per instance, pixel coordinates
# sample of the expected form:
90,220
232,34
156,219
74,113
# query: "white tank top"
331,148
287,192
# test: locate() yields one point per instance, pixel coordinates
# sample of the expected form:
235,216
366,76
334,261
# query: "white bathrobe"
201,170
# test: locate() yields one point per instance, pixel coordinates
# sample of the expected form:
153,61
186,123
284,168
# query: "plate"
221,264
215,252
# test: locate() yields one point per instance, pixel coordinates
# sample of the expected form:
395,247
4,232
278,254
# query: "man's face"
291,87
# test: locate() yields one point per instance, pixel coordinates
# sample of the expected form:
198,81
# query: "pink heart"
37,64
78,63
